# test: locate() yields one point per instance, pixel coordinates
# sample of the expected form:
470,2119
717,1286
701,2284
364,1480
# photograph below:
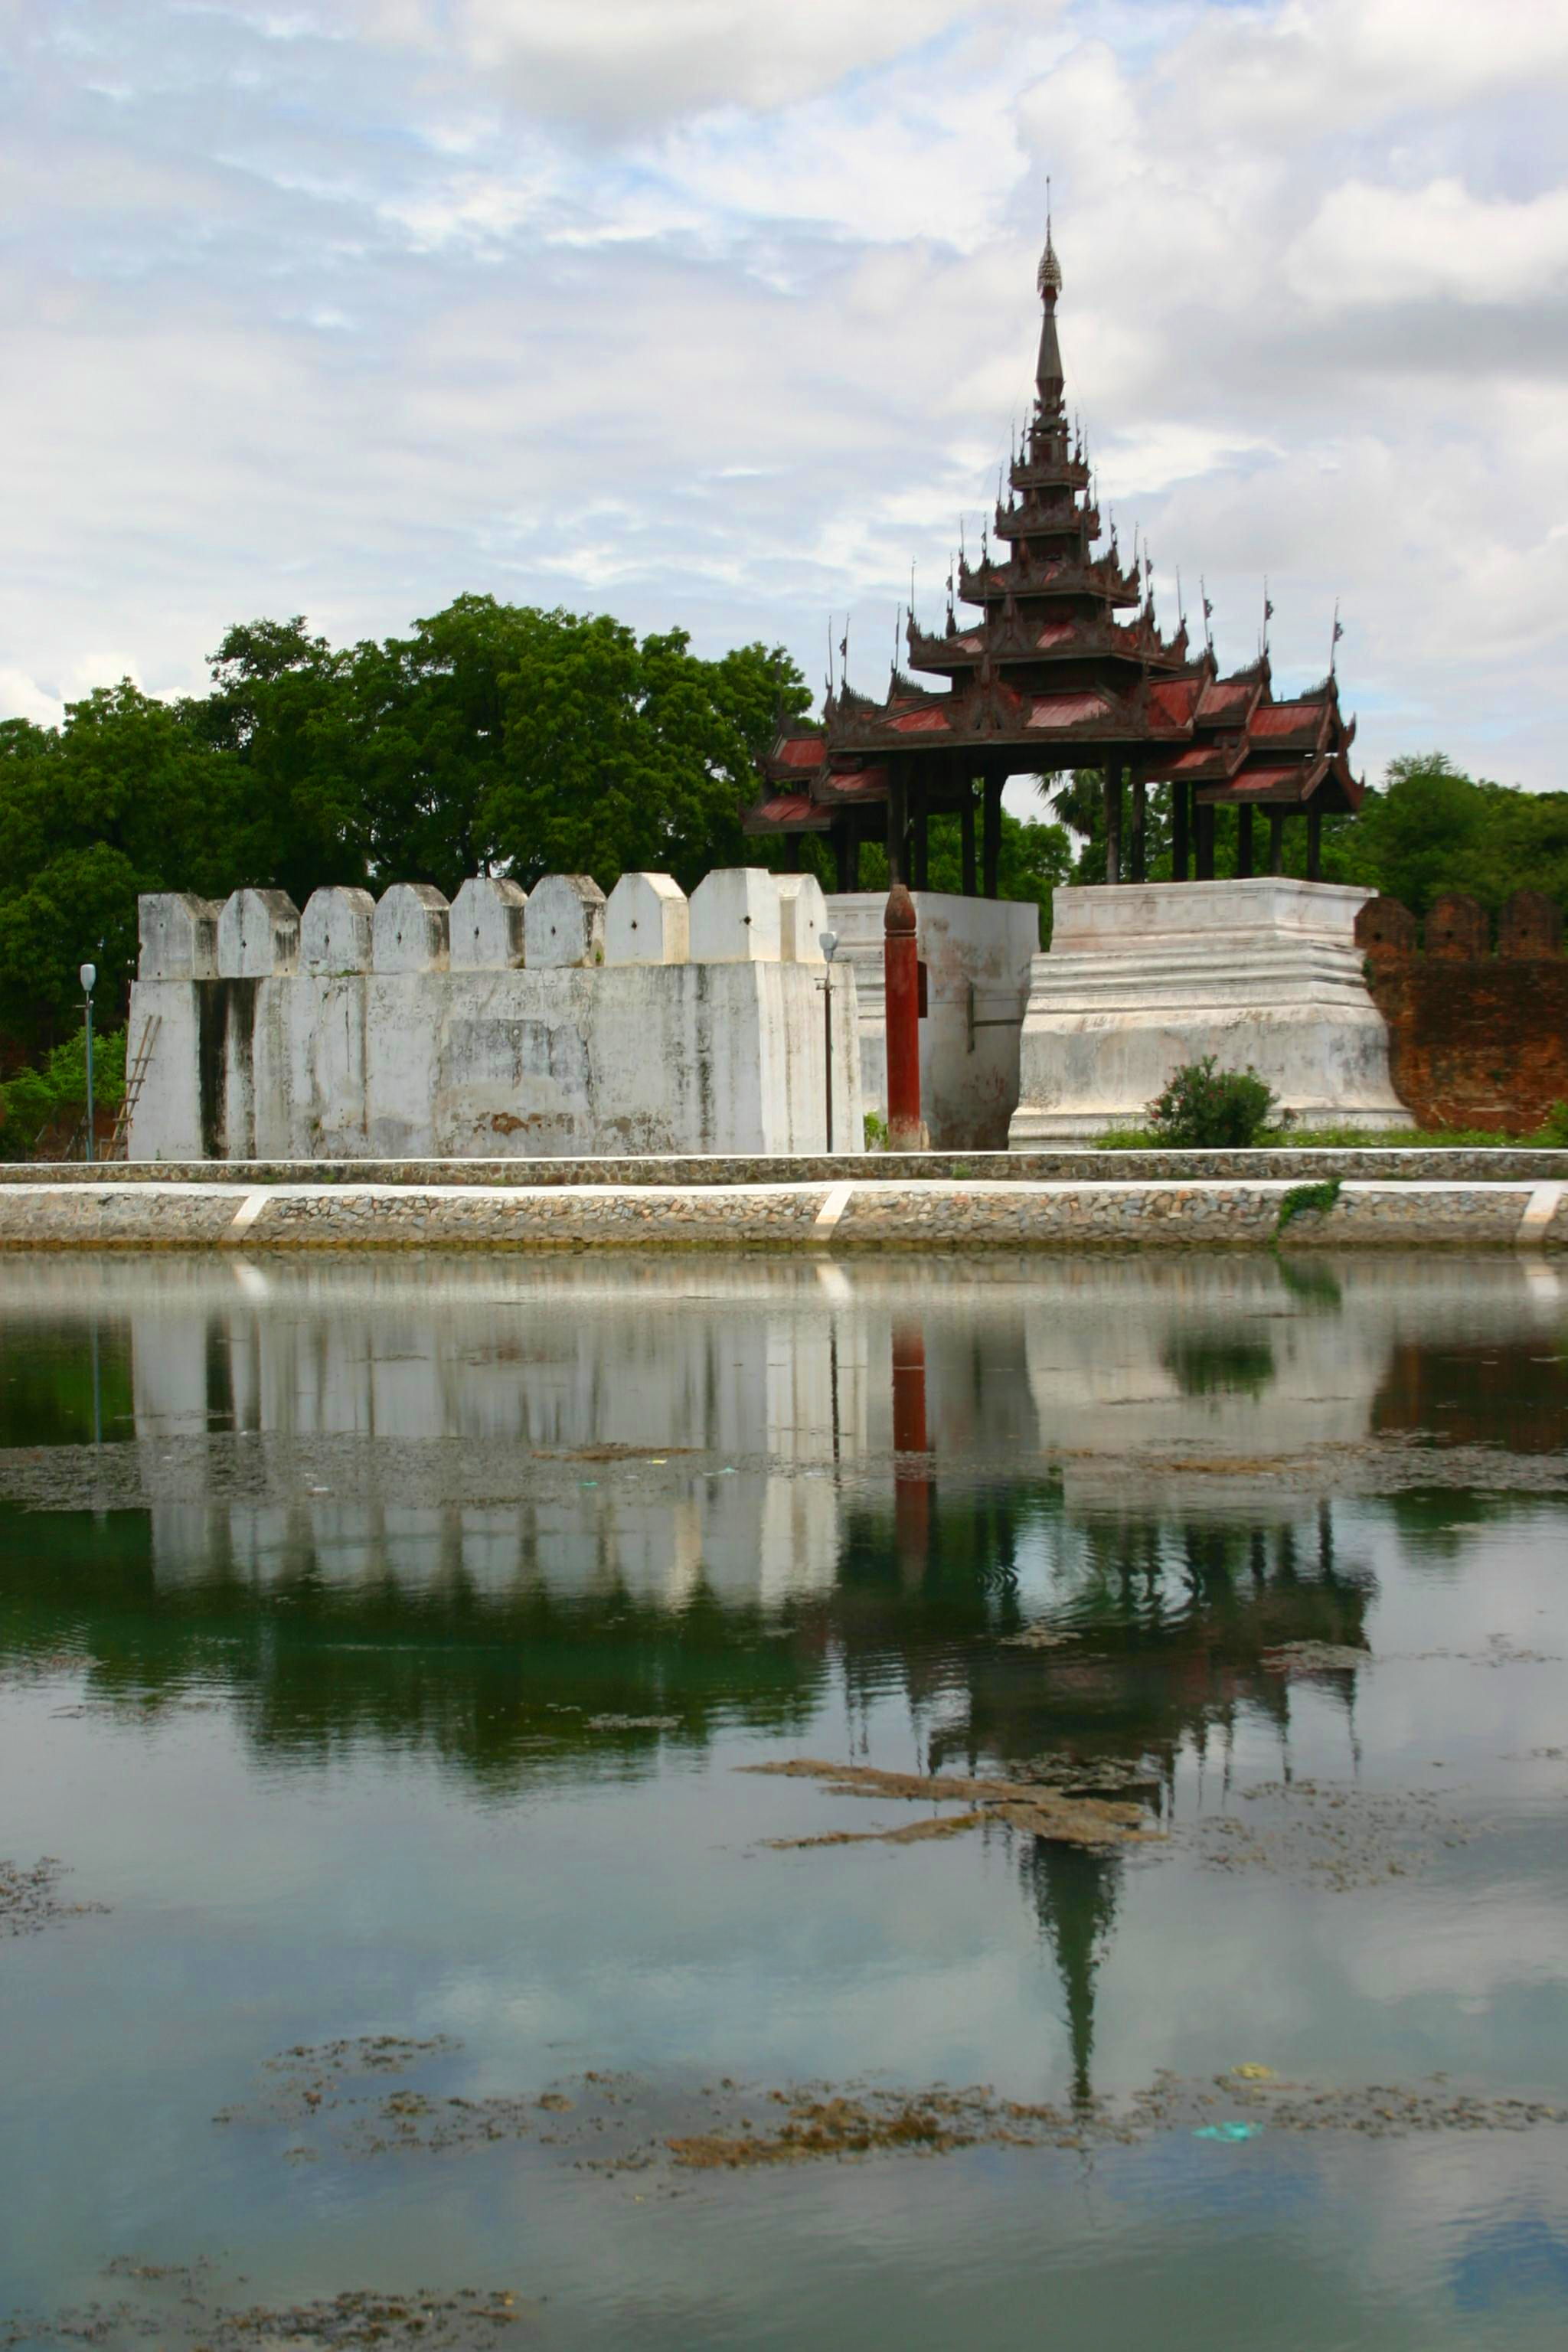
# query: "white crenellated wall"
509,1024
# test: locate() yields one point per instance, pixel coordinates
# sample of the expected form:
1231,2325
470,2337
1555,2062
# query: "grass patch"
1552,1137
1307,1201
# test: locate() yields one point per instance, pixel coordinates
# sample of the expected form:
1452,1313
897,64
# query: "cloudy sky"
718,312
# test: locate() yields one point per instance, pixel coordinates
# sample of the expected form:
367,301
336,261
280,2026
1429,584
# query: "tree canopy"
1427,828
503,738
493,737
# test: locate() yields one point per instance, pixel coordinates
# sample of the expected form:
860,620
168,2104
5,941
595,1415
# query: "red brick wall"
1474,1040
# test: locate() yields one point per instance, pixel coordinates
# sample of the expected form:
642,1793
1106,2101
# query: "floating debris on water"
175,2304
1039,1636
1314,1657
28,1903
631,1723
1338,1836
1036,1806
609,2122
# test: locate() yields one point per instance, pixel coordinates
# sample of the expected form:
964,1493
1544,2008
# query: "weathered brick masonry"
1475,1039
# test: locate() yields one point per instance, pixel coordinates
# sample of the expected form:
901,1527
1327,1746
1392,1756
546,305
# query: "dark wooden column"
1314,845
844,851
991,841
1243,841
852,843
1113,788
1203,814
898,826
1140,867
1277,840
919,835
1179,831
966,841
792,852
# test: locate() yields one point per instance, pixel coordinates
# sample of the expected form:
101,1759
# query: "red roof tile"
1286,719
921,722
801,752
1172,704
852,783
786,808
1068,710
1225,694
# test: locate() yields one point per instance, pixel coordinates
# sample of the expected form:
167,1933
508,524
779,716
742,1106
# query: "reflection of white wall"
798,1553
1054,1359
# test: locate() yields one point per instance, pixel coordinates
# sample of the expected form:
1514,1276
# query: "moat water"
380,1645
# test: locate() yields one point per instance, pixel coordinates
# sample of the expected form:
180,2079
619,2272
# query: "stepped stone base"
1263,974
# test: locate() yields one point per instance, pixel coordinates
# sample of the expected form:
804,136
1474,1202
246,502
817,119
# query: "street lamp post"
87,976
828,942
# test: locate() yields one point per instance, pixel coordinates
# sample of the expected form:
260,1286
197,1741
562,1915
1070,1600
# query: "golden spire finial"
1050,279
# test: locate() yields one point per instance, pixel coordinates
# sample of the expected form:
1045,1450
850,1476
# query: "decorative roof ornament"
1049,278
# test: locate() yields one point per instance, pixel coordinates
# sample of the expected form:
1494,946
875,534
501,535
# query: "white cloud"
21,697
627,60
1394,245
722,315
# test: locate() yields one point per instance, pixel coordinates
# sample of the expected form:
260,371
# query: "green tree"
124,797
1431,828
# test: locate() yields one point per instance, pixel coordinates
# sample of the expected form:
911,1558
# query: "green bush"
875,1132
1207,1109
1555,1126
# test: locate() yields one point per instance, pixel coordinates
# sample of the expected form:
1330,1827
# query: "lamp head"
87,976
828,942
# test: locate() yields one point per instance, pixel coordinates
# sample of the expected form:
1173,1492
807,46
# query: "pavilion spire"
1049,381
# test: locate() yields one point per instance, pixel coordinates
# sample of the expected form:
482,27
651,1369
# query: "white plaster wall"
166,1118
680,1058
969,1075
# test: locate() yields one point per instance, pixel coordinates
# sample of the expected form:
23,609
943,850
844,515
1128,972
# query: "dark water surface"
379,1642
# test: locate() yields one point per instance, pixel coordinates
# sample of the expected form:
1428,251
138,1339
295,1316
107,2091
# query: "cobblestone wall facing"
1239,1214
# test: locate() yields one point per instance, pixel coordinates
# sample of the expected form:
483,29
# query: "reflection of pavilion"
430,1522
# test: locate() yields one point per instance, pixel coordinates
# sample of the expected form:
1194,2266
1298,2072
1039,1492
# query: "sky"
719,314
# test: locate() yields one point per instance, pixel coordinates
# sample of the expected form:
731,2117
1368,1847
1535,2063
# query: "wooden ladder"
135,1079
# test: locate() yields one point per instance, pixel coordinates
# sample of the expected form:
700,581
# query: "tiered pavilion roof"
1065,668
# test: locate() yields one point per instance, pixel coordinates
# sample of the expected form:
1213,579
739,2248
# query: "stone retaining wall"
1075,1165
876,1214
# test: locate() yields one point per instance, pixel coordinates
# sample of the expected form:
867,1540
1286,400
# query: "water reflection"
681,1459
475,1578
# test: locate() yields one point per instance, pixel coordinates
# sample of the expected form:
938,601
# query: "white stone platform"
1263,974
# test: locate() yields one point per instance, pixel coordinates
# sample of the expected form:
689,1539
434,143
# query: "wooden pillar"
1179,830
901,1001
1204,814
1277,840
1139,869
1314,845
844,846
966,840
898,826
920,837
792,852
1113,788
990,842
1243,841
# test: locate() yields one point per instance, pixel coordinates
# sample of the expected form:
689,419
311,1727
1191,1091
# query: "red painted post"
911,1469
900,968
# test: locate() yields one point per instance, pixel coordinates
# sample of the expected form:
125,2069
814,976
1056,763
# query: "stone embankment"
1454,1200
